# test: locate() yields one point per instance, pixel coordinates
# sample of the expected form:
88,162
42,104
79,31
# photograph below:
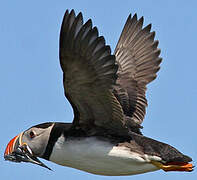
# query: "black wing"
89,73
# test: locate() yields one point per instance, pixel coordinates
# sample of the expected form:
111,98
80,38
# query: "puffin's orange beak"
11,145
17,151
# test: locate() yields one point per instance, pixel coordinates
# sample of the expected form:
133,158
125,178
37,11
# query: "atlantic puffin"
107,94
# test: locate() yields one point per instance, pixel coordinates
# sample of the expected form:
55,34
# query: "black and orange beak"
12,147
16,151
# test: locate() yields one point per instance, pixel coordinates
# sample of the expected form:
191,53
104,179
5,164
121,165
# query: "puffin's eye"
32,134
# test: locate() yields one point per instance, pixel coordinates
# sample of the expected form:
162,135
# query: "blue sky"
31,90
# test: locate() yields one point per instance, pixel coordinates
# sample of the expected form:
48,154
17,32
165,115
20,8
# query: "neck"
57,130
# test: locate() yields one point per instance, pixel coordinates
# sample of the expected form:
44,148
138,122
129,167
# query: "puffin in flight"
107,94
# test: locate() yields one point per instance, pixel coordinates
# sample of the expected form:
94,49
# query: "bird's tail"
171,158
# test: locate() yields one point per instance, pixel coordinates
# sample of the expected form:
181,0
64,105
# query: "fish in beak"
16,151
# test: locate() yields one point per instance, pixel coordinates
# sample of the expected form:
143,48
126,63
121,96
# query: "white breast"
99,157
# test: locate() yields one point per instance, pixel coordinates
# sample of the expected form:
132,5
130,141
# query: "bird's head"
29,145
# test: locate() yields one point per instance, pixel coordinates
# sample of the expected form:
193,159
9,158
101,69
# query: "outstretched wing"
89,72
138,58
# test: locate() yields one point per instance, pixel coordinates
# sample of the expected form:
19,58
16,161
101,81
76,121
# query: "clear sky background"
31,90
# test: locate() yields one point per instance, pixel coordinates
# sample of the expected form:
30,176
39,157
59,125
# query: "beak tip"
15,152
10,147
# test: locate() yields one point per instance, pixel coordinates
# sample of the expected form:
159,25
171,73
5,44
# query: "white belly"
99,157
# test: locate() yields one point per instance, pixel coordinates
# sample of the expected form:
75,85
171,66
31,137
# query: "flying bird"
107,94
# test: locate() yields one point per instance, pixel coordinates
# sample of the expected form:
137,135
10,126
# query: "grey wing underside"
107,91
138,58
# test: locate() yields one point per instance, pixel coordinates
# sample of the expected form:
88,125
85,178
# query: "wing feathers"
104,92
90,73
138,58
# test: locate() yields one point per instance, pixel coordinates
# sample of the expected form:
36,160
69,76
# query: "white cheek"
39,143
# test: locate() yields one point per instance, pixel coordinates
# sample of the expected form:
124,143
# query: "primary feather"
107,91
